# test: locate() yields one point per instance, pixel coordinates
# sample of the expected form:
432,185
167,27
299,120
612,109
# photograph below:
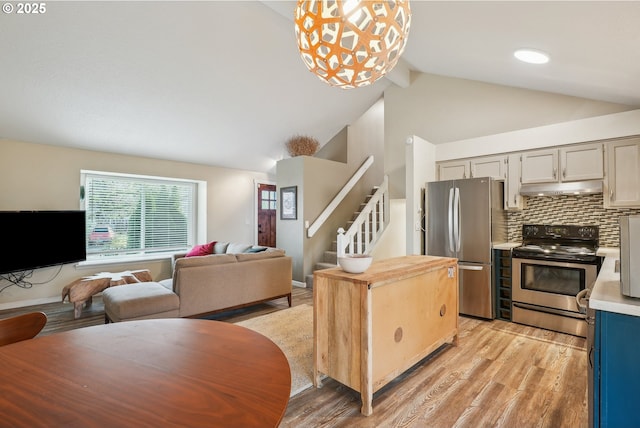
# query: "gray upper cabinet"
489,166
512,198
453,170
540,166
577,162
574,163
583,162
622,183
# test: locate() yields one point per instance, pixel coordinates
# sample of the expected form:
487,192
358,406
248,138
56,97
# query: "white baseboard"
299,284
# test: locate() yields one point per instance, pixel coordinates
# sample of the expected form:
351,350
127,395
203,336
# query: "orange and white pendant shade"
351,43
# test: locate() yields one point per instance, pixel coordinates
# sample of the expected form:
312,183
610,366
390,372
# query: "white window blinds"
135,214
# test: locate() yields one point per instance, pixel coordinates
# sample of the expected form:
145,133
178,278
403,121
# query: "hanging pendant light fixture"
351,43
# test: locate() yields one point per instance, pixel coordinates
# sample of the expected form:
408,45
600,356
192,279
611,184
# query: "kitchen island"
613,350
371,327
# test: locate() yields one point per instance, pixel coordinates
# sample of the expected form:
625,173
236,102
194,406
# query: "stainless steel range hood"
572,188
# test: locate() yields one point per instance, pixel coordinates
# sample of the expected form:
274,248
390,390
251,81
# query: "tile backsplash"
568,209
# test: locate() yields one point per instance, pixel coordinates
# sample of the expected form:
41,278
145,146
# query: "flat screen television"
36,239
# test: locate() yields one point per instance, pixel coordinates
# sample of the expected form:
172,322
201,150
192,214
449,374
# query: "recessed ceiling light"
531,56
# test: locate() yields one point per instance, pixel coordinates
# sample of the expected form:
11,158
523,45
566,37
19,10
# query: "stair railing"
368,225
324,215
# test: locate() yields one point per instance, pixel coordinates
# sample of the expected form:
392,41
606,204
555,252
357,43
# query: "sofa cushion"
139,300
234,248
201,250
267,254
220,247
256,249
167,283
211,259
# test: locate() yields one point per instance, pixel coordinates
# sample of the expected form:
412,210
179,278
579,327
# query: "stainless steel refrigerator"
463,219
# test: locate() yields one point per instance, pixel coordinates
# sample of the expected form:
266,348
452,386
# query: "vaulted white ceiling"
221,83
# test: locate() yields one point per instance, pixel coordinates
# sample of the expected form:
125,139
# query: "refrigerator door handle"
469,267
450,220
456,215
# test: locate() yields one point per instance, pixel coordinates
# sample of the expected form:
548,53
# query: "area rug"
292,330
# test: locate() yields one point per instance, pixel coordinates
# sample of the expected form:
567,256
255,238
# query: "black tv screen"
36,239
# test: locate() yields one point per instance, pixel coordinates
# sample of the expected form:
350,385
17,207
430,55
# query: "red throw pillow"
201,250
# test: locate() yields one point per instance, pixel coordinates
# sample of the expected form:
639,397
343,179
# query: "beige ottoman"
144,300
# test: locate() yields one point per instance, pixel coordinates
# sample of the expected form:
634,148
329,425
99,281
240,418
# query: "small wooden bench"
80,292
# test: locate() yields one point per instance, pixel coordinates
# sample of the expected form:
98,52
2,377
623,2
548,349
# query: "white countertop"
608,251
506,245
606,295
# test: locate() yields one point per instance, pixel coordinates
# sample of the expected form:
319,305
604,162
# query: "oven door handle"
582,297
549,310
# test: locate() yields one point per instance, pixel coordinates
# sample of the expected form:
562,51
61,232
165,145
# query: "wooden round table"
155,373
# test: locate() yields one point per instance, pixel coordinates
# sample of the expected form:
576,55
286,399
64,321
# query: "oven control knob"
585,232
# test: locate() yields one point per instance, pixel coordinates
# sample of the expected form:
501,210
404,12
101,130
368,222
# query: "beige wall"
37,177
393,242
322,179
443,109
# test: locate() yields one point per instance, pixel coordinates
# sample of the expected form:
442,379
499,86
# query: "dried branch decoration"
302,145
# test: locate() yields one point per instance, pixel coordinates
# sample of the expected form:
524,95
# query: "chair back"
21,327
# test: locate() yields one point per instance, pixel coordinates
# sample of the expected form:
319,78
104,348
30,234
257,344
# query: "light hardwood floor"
500,375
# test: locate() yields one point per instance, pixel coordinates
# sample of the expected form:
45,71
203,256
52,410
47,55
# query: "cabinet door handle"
555,173
611,194
564,173
515,199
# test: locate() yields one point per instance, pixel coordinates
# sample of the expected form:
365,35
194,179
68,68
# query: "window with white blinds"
128,214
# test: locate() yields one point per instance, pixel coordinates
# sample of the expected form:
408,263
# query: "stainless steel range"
553,265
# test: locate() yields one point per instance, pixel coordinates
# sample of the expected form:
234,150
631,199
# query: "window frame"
196,224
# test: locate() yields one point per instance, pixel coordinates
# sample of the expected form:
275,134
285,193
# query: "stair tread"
322,265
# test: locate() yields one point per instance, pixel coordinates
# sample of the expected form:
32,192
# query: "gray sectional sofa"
233,277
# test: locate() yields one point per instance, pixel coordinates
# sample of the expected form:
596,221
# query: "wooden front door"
267,215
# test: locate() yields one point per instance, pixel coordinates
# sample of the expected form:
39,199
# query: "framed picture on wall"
289,203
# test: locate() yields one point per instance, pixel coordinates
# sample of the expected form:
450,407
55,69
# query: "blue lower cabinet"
616,370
